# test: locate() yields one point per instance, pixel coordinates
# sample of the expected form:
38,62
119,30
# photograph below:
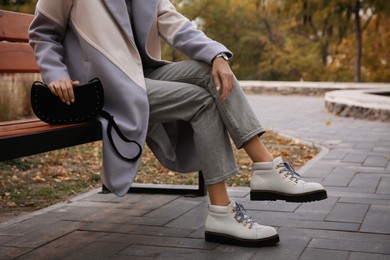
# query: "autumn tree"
23,6
333,23
311,40
361,12
265,45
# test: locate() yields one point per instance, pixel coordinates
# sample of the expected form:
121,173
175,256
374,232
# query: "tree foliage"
311,40
23,6
299,40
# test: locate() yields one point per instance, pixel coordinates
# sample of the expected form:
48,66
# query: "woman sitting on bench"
185,111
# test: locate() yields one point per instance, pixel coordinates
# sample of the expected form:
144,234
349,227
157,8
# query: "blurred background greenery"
290,40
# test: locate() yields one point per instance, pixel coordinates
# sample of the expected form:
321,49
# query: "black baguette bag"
89,104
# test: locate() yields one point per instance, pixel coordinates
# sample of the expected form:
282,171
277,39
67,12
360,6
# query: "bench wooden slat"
17,58
21,129
47,139
19,124
9,128
14,26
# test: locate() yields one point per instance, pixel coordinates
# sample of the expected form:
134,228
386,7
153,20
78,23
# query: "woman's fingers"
227,83
223,77
64,89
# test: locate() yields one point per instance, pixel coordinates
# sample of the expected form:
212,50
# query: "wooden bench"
31,136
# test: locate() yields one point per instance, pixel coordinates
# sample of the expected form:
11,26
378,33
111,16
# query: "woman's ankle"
218,194
257,151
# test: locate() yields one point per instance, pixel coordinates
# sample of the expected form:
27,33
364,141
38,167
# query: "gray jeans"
186,91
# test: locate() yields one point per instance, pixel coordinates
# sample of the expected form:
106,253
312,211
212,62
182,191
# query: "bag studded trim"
49,108
89,104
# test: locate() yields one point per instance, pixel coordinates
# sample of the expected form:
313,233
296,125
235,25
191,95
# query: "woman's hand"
223,77
63,88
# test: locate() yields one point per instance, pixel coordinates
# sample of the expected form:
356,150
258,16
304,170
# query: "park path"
353,223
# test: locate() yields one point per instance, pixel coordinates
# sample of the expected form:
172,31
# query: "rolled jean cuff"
221,178
257,132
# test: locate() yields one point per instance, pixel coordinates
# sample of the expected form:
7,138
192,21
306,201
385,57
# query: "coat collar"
144,13
118,10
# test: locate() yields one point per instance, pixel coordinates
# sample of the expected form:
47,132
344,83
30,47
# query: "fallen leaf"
284,153
38,179
11,204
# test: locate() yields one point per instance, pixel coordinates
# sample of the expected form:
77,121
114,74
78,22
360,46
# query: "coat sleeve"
181,34
46,34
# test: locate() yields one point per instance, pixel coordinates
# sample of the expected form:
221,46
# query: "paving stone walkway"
353,223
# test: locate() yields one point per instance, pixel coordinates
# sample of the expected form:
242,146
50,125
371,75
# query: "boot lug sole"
305,197
231,240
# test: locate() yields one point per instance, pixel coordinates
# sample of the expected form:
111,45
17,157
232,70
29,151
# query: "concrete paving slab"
384,185
365,256
346,245
322,254
351,213
377,220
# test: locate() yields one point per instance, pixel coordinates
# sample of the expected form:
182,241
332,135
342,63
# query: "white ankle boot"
278,180
232,225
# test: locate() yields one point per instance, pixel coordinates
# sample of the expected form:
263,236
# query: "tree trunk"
358,34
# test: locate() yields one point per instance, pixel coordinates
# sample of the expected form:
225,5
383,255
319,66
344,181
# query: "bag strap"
112,124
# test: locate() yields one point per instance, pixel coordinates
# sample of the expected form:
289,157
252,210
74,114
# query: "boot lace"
241,216
289,171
